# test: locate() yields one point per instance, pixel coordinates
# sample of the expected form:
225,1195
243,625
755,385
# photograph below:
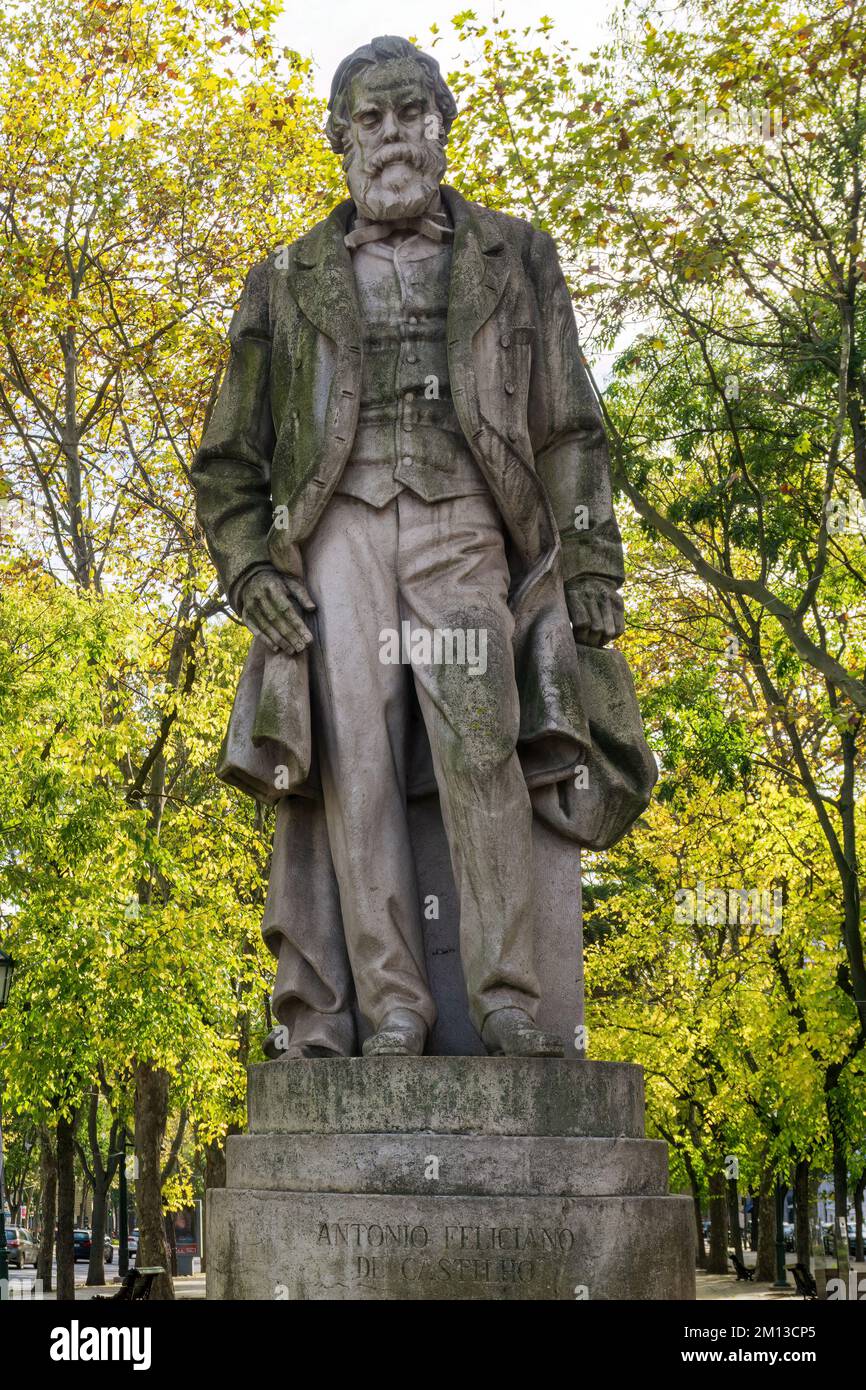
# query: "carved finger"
299,592
260,627
282,616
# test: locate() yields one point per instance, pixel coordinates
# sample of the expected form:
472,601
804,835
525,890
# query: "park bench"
805,1281
742,1272
136,1285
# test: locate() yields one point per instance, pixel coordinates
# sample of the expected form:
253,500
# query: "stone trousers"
381,580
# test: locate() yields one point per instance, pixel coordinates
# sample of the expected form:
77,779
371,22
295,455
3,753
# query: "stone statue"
404,486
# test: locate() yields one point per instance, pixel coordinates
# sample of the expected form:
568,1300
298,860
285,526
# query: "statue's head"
389,116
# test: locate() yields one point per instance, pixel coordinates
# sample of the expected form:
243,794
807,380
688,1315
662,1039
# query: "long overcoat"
279,437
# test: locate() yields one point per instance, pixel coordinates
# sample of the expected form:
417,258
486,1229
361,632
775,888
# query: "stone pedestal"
447,1178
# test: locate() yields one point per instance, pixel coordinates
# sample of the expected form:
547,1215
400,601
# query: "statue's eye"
368,118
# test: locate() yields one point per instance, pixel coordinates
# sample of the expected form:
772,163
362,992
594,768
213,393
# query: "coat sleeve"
231,470
567,430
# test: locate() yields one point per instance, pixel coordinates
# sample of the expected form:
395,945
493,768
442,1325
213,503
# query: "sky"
328,30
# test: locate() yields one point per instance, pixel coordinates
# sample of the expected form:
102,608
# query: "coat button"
512,435
509,388
505,340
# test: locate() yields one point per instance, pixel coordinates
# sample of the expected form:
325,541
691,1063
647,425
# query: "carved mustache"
416,155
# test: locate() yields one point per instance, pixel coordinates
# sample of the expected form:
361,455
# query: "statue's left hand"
596,611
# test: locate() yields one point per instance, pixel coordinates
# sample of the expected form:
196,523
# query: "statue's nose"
390,127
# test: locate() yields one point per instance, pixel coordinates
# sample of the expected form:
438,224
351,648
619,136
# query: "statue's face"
394,162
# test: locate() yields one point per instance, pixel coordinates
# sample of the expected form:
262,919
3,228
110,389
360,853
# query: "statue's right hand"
271,603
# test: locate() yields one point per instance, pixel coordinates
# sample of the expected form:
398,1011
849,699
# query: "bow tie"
377,231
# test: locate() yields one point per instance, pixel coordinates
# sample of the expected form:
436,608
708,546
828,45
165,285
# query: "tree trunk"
766,1264
840,1195
18,1184
718,1257
151,1113
100,1175
700,1243
801,1213
754,1219
152,1082
171,1241
47,1208
734,1217
65,1209
83,1222
96,1267
215,1164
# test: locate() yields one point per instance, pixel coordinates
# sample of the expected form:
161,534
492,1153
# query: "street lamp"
7,967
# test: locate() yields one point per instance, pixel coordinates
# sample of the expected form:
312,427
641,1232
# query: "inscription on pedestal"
443,1254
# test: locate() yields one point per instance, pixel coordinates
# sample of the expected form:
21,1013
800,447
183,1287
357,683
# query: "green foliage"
150,153
701,173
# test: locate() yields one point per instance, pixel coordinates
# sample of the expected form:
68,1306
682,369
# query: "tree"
702,174
126,234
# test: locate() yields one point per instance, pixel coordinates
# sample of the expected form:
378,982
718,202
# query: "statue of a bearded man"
404,486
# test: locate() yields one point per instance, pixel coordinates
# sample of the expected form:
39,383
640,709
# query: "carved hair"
382,50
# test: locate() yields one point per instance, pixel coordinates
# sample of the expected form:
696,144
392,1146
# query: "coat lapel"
479,271
322,279
479,268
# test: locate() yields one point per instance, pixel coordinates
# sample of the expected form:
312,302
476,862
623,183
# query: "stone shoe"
402,1033
512,1033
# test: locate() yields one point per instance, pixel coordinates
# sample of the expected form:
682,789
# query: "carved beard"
399,180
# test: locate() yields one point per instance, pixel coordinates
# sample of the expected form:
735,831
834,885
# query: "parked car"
82,1247
829,1237
22,1247
790,1235
132,1243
